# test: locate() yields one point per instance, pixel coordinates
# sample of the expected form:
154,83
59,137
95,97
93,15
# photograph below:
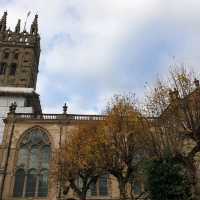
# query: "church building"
28,137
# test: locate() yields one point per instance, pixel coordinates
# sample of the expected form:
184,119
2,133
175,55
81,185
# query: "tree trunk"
195,184
122,190
81,192
192,172
83,197
194,181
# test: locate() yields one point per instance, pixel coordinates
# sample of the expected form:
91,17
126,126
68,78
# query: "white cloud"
82,39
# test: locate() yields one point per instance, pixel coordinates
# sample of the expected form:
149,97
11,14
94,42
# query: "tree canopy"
123,149
167,179
80,159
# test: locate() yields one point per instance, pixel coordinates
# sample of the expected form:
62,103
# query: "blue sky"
92,49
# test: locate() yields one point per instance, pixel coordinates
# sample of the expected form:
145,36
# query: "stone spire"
3,22
34,26
17,27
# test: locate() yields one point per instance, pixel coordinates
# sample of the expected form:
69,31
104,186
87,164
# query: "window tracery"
31,177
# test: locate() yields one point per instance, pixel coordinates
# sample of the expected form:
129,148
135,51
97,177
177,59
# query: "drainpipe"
11,116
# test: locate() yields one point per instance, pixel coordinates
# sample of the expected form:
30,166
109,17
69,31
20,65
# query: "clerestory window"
31,177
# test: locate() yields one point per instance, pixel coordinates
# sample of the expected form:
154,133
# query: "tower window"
16,55
2,68
13,68
27,57
6,55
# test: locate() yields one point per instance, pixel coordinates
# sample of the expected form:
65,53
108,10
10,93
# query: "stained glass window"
34,157
43,184
31,178
45,156
31,183
23,157
19,183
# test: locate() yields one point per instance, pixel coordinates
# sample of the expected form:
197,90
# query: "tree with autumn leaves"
130,135
174,107
124,150
113,146
79,158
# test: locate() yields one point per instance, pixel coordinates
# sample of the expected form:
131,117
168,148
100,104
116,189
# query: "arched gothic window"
100,188
31,177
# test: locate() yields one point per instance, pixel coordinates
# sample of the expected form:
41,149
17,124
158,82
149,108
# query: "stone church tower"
19,60
19,53
30,138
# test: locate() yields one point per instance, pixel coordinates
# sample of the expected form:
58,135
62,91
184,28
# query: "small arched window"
137,188
100,188
6,53
31,178
103,185
16,54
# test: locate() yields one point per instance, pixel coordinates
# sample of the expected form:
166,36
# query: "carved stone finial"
34,26
13,107
196,82
65,107
3,22
17,27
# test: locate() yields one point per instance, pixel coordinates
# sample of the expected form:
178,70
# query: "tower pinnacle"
17,27
34,26
3,22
